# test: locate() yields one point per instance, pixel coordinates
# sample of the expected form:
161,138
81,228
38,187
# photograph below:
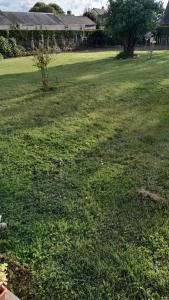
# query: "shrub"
100,38
9,47
14,47
5,47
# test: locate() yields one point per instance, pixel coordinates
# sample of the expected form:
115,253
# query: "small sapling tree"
42,57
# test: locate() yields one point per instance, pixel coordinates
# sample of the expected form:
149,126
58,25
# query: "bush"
14,47
1,56
5,47
100,38
9,47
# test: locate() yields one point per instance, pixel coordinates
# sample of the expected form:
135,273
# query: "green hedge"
65,40
101,38
163,30
162,35
13,42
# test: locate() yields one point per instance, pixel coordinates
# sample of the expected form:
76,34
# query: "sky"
76,6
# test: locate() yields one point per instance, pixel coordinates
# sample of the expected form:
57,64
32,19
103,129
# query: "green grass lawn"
71,162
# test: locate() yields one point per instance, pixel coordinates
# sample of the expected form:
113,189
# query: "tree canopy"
92,16
129,19
47,8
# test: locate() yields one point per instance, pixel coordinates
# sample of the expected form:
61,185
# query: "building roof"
29,18
42,19
3,19
100,11
165,20
75,20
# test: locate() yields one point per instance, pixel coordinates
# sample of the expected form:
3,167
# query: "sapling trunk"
45,79
128,43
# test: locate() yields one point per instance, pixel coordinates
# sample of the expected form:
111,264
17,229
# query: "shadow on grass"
81,86
70,74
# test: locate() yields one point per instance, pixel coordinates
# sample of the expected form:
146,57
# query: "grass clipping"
145,195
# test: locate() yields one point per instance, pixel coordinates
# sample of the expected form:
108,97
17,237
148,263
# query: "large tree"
130,19
47,8
57,9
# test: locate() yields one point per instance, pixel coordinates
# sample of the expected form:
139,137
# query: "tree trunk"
129,42
45,82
